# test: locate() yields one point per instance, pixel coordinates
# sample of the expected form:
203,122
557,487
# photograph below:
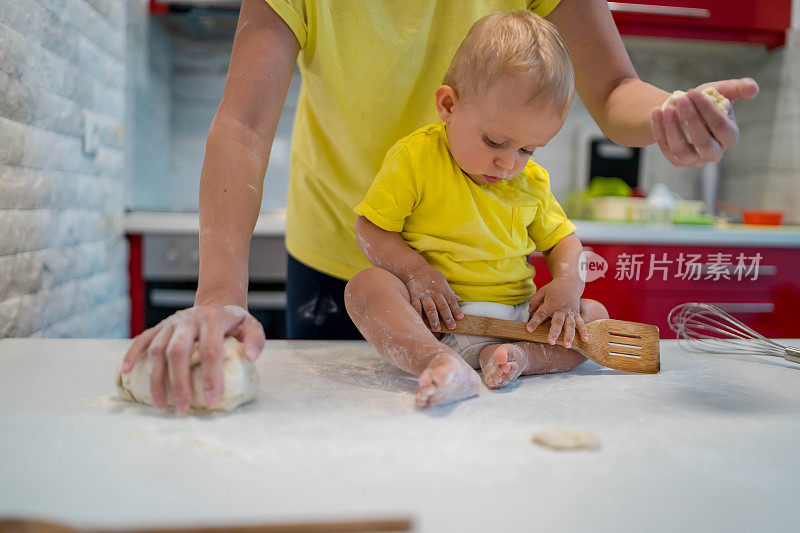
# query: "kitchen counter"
270,223
709,444
666,234
273,223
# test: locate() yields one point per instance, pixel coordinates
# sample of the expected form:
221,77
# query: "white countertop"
270,223
709,444
666,234
273,223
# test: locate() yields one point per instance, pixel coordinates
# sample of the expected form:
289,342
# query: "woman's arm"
237,152
623,105
238,149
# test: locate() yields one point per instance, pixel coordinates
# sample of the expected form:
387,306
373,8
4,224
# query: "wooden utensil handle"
319,527
353,526
498,327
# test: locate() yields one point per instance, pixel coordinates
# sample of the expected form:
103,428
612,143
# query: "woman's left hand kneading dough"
168,347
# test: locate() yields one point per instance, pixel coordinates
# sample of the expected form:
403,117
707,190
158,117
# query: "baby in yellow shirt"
457,207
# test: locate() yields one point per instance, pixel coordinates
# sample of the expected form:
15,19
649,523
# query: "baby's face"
493,137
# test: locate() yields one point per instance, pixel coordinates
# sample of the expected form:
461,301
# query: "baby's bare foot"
447,378
502,365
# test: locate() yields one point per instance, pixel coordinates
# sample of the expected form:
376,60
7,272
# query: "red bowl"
756,217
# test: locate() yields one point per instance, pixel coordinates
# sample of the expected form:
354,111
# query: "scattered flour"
201,444
104,401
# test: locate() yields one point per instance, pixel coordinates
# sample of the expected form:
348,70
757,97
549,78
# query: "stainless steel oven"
170,267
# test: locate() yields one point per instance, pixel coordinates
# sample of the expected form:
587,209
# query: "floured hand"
240,380
431,296
692,130
168,346
561,300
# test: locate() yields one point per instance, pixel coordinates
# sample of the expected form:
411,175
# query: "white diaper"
469,347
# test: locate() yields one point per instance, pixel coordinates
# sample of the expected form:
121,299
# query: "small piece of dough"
559,438
240,380
722,103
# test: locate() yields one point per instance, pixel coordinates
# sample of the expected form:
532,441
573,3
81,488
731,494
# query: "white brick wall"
63,256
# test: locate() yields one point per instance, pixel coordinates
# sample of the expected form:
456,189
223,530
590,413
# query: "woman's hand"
431,296
168,348
561,300
711,131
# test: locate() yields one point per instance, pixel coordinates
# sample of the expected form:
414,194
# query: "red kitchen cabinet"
747,21
158,8
720,20
759,286
136,289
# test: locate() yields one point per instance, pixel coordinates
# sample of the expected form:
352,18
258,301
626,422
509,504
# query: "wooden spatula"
617,344
353,526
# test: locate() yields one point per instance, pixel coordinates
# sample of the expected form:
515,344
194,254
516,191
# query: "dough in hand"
240,380
722,103
558,438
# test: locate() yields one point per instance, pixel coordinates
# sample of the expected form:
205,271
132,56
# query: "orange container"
757,217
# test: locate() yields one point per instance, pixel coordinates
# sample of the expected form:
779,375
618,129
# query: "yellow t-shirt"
478,236
369,69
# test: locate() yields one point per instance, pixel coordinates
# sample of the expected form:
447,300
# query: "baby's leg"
379,305
503,363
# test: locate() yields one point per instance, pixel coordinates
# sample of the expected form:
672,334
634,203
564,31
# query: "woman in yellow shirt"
369,67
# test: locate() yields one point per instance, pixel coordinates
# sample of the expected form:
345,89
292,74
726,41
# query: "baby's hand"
560,299
432,296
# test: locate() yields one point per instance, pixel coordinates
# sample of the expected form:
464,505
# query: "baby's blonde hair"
519,43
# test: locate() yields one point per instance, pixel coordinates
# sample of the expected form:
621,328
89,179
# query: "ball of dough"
240,380
566,439
722,103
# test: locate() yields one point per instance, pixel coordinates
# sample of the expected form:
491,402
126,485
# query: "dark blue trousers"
315,305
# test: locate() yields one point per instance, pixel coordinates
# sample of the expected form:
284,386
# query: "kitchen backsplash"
150,180
189,65
178,69
763,170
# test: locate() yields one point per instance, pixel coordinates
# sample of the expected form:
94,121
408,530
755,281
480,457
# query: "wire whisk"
707,328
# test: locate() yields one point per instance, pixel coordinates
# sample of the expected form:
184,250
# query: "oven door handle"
268,300
650,9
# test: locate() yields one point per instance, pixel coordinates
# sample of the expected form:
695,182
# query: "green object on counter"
577,205
607,186
697,220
